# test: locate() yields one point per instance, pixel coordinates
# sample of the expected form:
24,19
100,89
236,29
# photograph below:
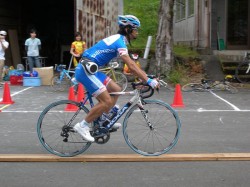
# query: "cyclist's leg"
95,87
110,85
95,84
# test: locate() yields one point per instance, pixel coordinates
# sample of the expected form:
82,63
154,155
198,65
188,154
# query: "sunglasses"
2,35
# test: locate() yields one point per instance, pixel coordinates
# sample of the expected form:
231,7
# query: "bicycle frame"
248,69
65,72
108,70
247,60
136,98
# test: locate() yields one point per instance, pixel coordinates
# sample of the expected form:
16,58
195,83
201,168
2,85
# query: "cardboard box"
46,74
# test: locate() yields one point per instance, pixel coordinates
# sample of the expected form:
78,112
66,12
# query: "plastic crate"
31,81
15,72
16,80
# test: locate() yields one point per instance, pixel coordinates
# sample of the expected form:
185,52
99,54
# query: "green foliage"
184,60
178,75
147,13
184,52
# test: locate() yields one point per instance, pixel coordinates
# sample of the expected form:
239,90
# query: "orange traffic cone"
177,102
80,94
72,97
6,95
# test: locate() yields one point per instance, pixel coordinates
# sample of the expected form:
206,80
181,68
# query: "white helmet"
128,20
3,33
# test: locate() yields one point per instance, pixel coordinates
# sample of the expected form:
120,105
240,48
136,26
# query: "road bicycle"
63,79
242,72
150,127
209,85
116,76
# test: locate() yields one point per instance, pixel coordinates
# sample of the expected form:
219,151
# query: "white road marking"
233,106
179,111
18,92
5,106
204,110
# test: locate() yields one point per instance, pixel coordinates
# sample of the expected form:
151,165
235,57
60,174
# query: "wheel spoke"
158,140
55,135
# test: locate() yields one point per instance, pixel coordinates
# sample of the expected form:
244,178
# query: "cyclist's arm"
134,69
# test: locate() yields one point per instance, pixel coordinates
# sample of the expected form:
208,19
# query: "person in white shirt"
3,46
32,46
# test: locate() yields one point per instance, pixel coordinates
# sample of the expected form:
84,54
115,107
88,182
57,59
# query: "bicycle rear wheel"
60,85
155,140
242,72
119,78
192,87
55,128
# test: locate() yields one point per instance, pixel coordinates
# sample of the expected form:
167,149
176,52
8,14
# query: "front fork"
144,114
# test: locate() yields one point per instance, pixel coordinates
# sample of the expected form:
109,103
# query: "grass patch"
147,12
185,65
178,74
184,52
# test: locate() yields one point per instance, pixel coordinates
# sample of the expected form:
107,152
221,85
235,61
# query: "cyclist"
97,83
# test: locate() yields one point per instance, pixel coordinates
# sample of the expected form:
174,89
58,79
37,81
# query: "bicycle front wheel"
119,78
242,72
192,87
60,85
152,130
55,128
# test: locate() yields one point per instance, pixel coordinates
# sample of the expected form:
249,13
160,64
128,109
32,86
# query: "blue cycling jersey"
107,49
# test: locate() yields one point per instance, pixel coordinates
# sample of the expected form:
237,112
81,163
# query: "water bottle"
107,117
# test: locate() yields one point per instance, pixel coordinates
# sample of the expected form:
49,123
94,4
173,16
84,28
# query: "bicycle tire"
241,74
231,89
119,78
197,87
58,85
51,128
137,132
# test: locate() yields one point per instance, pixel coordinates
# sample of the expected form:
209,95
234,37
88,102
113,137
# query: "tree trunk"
164,39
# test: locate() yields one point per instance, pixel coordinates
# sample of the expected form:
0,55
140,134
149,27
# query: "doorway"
54,22
238,36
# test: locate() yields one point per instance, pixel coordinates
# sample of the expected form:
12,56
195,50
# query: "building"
213,24
56,22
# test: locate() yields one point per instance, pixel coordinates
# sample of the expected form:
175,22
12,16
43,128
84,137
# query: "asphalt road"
211,123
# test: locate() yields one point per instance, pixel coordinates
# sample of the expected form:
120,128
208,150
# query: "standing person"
77,48
32,46
98,84
3,46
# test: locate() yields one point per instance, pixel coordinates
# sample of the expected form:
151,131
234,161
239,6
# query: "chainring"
101,135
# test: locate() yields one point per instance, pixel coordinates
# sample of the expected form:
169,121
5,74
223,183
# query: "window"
190,8
180,9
